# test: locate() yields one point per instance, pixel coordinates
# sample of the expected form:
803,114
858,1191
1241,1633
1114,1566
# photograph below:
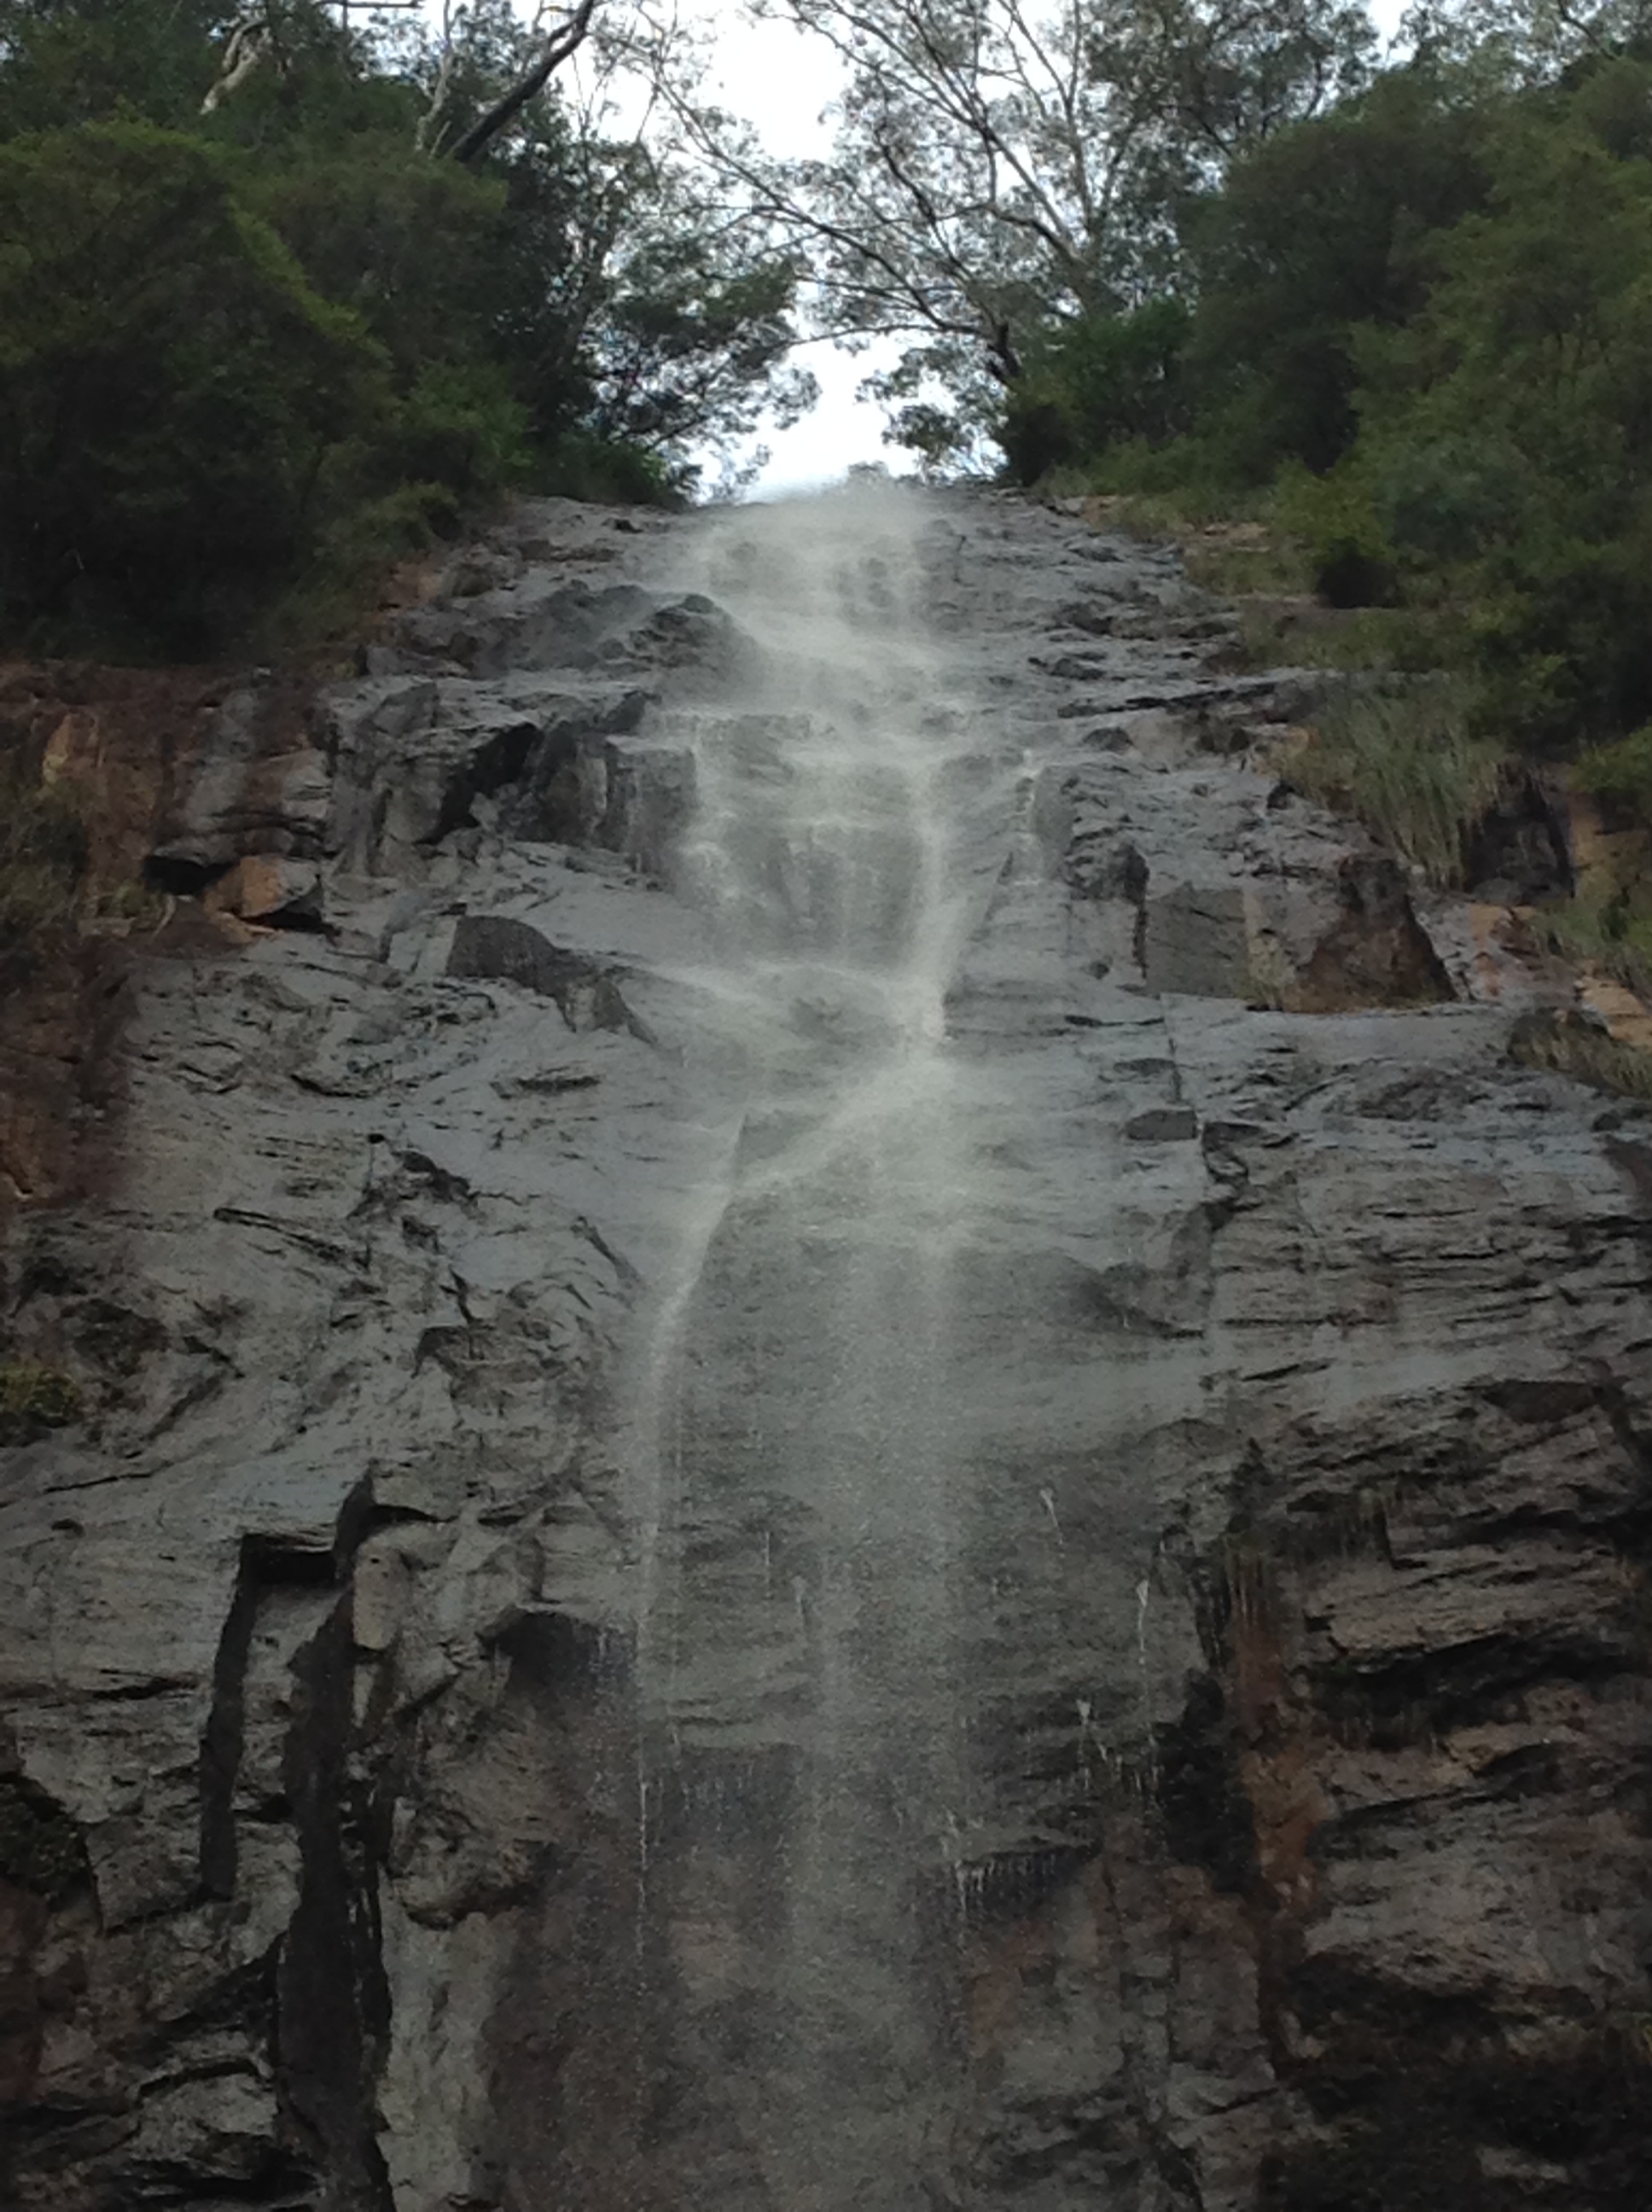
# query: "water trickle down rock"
857,1448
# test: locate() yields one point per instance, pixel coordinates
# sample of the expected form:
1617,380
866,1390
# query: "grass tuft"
42,858
1407,764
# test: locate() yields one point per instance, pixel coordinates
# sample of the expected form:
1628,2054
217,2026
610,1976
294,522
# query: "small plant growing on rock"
1567,1044
33,1397
125,908
42,857
1620,773
1408,765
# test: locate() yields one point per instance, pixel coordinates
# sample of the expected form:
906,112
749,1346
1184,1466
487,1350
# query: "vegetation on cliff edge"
1409,342
281,298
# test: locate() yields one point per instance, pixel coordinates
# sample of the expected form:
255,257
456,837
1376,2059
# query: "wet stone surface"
852,1444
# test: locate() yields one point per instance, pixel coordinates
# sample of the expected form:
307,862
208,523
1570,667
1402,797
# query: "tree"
1505,451
1510,44
1099,381
557,44
694,346
64,62
675,320
170,389
994,171
1315,232
253,345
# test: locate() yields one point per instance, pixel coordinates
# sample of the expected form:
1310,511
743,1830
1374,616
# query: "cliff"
358,1849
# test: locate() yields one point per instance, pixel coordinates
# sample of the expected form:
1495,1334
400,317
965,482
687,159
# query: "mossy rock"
33,1398
1566,1043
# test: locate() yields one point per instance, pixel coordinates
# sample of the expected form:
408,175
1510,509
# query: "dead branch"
561,46
430,122
251,42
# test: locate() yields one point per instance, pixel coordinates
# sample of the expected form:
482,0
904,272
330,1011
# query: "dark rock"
1163,1124
1517,852
1194,939
587,995
1377,952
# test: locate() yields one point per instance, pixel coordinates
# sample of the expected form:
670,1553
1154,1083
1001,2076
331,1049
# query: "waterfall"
804,1764
857,1458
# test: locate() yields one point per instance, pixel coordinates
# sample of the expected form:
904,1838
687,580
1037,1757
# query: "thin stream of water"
802,1762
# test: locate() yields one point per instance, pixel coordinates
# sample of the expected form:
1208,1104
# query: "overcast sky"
783,80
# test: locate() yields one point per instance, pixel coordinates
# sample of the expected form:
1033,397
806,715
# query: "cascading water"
805,1782
768,1512
866,1665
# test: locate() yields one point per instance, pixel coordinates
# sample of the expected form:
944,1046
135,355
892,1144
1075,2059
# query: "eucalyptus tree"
996,167
267,323
1517,43
675,312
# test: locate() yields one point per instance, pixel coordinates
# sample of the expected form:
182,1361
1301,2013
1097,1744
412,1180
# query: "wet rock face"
1304,1377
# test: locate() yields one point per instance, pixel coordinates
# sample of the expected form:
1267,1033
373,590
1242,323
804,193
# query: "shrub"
1103,381
583,466
1567,1044
1407,763
42,858
1349,557
170,390
1611,924
1314,233
1620,773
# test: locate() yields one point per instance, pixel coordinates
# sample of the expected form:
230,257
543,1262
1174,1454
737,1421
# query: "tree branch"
563,42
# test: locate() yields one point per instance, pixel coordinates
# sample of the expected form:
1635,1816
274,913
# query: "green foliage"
460,427
1334,518
1417,347
1096,382
410,245
1318,233
69,61
1620,772
1611,924
33,1397
42,858
582,465
1312,233
1410,765
1566,1043
692,342
1506,436
257,335
170,390
995,168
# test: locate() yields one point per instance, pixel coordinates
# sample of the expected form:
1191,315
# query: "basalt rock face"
359,1848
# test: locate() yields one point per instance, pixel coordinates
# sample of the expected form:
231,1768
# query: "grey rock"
1289,1536
1195,940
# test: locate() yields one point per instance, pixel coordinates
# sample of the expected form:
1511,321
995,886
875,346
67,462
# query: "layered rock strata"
351,1853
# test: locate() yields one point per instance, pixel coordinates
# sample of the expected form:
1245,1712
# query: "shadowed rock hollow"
845,1440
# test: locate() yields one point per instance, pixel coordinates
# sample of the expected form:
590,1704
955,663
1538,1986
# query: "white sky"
783,80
